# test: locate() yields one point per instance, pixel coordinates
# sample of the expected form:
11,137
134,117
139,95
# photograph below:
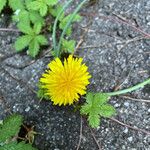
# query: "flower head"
64,82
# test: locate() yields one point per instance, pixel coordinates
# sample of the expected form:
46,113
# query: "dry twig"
93,135
9,30
80,137
130,127
136,99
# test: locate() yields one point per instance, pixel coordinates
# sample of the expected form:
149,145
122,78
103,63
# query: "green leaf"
51,2
37,28
94,120
42,92
19,146
35,5
107,110
27,2
42,40
22,16
68,45
102,98
55,11
43,9
95,107
25,28
10,127
22,42
65,20
35,17
2,4
34,47
16,4
41,5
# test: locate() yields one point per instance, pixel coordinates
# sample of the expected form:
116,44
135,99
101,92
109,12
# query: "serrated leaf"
41,6
107,110
51,2
102,98
25,28
68,45
2,4
42,40
35,5
10,127
43,9
96,106
89,97
34,48
27,2
22,42
64,21
55,11
16,4
17,146
22,16
35,17
42,92
37,28
94,120
9,146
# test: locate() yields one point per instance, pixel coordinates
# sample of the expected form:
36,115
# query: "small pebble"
126,104
126,130
130,139
27,109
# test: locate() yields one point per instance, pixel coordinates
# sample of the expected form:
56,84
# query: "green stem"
55,23
67,26
140,85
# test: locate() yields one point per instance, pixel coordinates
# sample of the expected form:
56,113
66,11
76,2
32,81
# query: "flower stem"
130,89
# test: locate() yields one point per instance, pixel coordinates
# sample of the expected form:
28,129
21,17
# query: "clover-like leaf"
41,5
10,127
68,45
34,47
22,42
64,21
16,4
107,110
95,107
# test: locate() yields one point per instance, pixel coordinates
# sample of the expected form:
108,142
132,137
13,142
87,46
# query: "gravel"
118,55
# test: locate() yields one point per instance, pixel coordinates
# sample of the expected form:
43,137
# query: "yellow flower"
64,82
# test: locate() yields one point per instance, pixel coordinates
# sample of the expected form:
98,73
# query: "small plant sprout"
97,106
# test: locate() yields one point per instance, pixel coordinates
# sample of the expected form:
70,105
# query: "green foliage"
42,92
68,45
32,38
2,4
55,11
16,4
10,127
17,146
41,5
64,21
31,18
96,106
8,130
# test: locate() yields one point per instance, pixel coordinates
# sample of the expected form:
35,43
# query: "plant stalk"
130,89
67,26
55,24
